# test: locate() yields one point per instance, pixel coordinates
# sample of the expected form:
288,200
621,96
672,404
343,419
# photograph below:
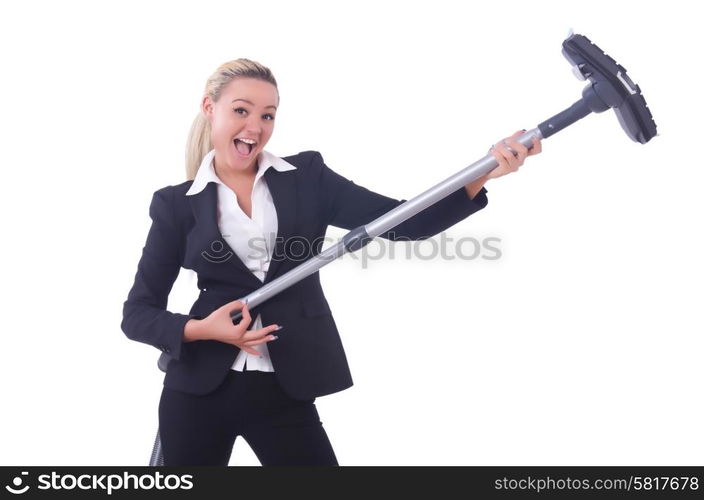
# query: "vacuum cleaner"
609,87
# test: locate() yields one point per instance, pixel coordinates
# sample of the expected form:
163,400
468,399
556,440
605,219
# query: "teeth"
247,141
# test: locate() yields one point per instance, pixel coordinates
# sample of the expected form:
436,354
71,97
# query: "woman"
243,218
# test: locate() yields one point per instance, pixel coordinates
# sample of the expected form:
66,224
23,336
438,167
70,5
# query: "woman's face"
244,113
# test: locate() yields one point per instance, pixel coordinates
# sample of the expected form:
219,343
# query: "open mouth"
244,146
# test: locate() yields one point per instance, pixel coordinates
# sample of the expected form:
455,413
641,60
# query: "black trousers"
201,430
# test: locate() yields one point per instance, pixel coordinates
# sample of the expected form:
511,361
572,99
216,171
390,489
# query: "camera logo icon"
221,253
17,483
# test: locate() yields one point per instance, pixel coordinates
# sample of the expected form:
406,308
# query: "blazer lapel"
215,248
283,188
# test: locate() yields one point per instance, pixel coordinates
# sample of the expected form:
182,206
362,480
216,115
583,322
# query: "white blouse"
238,230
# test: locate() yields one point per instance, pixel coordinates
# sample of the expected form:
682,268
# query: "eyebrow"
250,102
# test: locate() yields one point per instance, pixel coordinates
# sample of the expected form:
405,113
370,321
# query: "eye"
268,116
237,110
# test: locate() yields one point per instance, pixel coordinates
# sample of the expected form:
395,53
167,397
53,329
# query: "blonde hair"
198,143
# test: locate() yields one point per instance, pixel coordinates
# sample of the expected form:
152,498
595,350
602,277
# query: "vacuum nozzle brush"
610,87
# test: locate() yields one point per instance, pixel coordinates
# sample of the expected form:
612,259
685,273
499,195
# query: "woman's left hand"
508,162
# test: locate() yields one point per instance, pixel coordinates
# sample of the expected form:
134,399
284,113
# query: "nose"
253,124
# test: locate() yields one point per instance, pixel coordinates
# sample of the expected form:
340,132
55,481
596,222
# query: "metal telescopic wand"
362,235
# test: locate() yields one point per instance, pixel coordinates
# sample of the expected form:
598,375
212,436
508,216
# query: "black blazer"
308,356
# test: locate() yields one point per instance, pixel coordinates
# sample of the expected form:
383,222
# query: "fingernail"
274,337
278,328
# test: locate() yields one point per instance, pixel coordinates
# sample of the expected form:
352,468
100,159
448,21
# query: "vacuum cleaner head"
610,87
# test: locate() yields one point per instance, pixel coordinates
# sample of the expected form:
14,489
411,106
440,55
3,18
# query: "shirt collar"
206,172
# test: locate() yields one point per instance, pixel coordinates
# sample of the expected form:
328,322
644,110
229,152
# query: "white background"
581,345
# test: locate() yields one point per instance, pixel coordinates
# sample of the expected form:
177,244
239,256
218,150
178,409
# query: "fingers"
258,334
537,145
500,158
511,154
263,340
246,318
520,149
257,337
511,161
250,350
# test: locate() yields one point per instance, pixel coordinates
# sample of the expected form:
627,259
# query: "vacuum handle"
565,118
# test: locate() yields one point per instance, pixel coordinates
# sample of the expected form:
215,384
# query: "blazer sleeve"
144,315
348,205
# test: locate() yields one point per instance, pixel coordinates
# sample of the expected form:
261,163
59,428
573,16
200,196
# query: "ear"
206,107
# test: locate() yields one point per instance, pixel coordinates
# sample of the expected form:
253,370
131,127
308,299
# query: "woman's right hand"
219,326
